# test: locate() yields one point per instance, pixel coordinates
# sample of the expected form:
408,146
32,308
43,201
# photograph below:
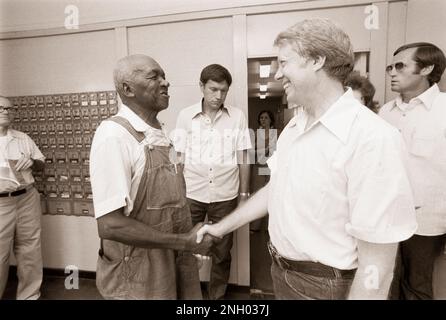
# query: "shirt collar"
198,109
339,118
12,134
426,98
139,124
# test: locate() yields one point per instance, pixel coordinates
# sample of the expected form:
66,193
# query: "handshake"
201,238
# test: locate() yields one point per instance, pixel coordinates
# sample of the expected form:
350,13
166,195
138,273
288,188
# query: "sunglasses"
398,67
9,109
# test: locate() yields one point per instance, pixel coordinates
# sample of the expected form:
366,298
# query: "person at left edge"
20,209
139,196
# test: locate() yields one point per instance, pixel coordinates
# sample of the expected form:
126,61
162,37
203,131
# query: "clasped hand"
203,246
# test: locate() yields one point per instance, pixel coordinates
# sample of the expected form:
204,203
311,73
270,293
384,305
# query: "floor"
53,288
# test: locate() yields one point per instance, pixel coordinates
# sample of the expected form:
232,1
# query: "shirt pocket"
422,146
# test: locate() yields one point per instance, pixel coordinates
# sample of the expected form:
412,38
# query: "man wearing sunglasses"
419,112
20,209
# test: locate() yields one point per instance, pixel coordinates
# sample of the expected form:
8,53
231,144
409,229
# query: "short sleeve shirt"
16,145
422,123
342,179
211,170
117,162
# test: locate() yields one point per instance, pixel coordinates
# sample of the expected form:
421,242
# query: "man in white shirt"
139,196
339,199
20,209
212,139
419,113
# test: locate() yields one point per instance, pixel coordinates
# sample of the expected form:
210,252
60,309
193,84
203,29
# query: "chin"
292,100
395,88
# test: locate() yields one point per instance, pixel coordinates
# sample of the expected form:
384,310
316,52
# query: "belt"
316,269
14,193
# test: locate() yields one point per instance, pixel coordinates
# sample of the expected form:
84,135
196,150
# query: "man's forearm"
369,285
254,208
38,165
117,227
375,270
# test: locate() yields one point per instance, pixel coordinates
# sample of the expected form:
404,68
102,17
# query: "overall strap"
139,136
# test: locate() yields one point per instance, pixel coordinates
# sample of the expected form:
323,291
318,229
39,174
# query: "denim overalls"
128,272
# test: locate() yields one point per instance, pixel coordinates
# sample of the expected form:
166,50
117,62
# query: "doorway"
265,96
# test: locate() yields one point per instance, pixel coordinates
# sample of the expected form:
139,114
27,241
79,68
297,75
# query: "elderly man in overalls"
139,196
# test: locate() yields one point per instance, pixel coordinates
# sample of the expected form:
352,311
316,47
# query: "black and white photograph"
222,154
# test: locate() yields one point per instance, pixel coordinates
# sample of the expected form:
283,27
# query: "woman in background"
363,90
265,142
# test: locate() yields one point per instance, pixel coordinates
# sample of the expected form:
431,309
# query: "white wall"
183,49
263,29
426,22
42,14
396,36
57,64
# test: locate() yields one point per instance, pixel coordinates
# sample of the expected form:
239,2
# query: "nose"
218,94
279,74
165,83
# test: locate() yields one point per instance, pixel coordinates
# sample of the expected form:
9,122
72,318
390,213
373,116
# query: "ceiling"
275,88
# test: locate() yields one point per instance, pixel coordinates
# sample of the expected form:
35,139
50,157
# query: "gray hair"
312,38
125,70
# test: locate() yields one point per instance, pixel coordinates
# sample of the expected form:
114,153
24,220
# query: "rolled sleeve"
380,196
35,153
110,174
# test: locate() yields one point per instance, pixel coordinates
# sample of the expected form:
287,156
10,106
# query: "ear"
427,70
201,87
318,63
127,90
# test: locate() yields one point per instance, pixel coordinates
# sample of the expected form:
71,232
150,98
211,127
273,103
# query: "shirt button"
126,259
404,114
210,181
210,169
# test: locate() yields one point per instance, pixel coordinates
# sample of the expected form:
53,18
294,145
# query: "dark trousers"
221,251
414,267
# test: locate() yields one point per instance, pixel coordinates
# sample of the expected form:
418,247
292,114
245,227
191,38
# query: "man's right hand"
204,246
206,230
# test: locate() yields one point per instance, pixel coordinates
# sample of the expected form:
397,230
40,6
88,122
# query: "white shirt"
16,145
340,180
211,170
422,123
117,162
